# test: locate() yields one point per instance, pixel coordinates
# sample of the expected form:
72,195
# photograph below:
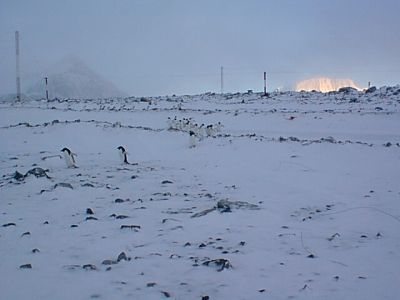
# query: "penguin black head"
191,133
66,150
121,148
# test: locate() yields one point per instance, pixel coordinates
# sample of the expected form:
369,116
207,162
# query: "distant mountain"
71,78
324,84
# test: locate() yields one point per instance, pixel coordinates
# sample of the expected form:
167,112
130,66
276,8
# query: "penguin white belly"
122,156
192,141
69,160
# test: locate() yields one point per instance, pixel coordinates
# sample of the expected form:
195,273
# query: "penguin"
218,127
192,139
69,158
123,155
210,130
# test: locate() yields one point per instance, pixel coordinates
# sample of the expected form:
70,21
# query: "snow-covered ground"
297,197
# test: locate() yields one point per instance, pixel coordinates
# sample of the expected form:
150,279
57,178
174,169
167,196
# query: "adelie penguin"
123,155
192,139
69,158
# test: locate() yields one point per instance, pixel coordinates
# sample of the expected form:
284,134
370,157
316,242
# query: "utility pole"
18,79
222,80
265,85
47,90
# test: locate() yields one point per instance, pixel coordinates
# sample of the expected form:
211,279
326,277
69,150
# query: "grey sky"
158,47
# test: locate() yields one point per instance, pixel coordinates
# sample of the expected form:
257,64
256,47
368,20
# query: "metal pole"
18,79
47,91
265,83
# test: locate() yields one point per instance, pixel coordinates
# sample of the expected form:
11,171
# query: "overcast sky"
159,47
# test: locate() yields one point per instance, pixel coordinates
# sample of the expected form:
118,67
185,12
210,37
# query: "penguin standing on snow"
69,158
192,139
123,155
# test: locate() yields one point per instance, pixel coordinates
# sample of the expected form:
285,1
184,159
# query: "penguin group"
187,125
69,157
195,130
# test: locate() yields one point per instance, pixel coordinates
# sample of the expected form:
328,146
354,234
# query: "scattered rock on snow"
122,256
18,176
166,294
130,227
223,204
26,266
37,172
166,182
203,213
220,264
108,262
64,185
151,284
89,267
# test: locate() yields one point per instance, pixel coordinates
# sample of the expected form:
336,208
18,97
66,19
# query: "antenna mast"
17,66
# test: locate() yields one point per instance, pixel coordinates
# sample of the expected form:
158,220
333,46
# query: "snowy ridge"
296,197
71,78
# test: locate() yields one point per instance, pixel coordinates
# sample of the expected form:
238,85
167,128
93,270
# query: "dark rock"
119,200
26,266
378,108
25,233
37,172
151,284
328,139
202,245
166,182
89,211
205,298
166,294
220,263
74,226
347,90
108,262
372,89
225,203
18,176
130,227
122,256
9,224
89,267
91,218
35,250
120,217
388,144
64,185
46,222
223,206
203,213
